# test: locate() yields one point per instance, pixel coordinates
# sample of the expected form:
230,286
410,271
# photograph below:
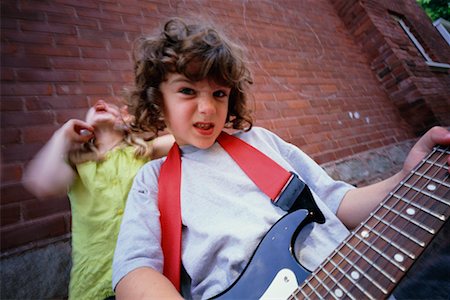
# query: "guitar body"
371,261
272,257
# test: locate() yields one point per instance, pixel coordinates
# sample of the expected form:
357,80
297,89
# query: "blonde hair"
89,152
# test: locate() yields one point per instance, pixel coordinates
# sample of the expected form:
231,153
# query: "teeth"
203,126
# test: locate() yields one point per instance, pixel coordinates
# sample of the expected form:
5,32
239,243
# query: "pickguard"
277,246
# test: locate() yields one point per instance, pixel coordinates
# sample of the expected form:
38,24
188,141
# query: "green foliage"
436,9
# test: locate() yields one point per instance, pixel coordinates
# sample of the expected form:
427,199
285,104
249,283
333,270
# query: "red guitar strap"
270,177
169,184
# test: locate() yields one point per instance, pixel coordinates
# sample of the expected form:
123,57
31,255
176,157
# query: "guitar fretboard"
373,259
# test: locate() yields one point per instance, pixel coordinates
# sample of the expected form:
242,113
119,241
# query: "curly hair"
197,52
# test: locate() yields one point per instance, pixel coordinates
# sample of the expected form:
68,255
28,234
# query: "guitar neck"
373,259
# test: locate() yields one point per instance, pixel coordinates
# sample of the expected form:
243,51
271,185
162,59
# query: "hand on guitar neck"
359,203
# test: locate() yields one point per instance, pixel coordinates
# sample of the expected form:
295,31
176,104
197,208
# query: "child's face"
194,112
102,113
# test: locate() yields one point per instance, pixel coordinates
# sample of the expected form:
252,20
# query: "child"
96,161
194,81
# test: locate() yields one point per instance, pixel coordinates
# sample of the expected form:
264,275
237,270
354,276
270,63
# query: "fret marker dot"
355,275
411,211
338,293
398,257
431,187
365,234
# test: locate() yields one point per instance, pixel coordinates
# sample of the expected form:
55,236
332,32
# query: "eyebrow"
179,78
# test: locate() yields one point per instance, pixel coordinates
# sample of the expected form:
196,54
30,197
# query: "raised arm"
162,145
49,174
359,203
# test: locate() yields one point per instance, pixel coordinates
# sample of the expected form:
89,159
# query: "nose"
206,105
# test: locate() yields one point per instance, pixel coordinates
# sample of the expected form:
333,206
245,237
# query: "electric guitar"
370,262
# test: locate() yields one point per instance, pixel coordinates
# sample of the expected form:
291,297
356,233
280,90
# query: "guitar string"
330,274
430,162
346,242
388,206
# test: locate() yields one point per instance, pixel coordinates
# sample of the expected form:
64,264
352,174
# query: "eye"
220,94
187,91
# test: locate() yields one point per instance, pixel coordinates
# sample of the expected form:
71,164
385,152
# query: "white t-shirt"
224,214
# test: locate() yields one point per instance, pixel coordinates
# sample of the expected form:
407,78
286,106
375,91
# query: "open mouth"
100,108
204,125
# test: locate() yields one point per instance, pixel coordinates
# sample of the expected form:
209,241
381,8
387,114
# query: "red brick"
72,63
104,76
103,53
14,236
45,6
10,135
77,3
27,38
71,19
7,74
90,33
19,89
86,89
35,209
50,28
95,42
19,152
97,14
53,51
11,173
14,193
12,104
11,11
55,102
21,61
9,214
39,134
50,75
18,119
62,116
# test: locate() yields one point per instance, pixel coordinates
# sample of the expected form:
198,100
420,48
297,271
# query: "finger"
436,135
81,125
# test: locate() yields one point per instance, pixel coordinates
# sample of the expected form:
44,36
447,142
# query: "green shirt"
97,197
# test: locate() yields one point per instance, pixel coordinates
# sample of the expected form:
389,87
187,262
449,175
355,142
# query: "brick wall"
317,84
421,93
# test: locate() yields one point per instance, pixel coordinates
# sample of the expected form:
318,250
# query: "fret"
361,272
392,234
409,219
347,293
412,196
372,260
444,201
313,290
304,294
381,253
410,237
354,283
293,296
391,242
439,165
430,212
322,283
433,179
